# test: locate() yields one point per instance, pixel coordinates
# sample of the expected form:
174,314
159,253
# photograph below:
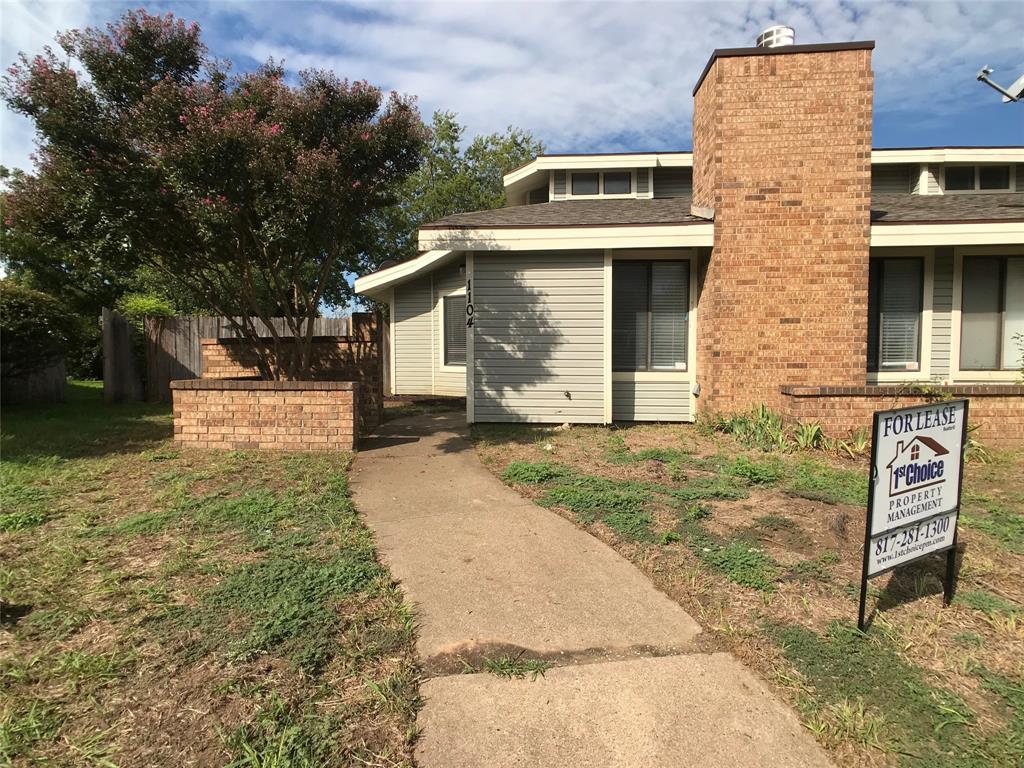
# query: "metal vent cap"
776,37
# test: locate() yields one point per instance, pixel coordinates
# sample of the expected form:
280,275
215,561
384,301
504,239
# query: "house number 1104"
469,303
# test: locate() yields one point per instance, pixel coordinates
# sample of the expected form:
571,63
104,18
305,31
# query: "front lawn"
764,549
169,607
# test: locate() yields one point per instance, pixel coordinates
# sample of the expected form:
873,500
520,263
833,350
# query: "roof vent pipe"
776,37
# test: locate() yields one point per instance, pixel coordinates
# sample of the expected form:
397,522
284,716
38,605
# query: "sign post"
917,467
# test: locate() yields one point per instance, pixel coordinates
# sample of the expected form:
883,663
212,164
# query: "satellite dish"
1014,93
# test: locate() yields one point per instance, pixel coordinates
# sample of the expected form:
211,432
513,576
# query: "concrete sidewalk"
488,571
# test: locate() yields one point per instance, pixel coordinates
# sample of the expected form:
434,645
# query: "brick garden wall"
997,410
266,415
782,153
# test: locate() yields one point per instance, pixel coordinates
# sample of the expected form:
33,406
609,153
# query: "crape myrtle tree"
252,194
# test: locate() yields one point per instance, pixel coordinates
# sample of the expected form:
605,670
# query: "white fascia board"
909,234
948,155
546,163
570,238
377,283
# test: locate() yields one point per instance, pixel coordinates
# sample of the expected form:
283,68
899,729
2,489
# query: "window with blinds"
992,314
455,330
894,320
650,315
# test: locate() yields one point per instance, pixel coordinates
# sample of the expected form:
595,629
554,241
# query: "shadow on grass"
81,426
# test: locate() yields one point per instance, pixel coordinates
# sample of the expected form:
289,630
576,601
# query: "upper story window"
977,178
601,183
650,315
992,313
895,298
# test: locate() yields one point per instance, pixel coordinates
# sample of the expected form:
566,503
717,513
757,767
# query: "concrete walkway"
489,572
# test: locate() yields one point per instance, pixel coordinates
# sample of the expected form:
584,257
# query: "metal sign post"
917,468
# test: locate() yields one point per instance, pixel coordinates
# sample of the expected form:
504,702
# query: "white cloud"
583,76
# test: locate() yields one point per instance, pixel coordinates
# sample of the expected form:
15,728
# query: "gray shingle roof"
885,208
576,213
904,208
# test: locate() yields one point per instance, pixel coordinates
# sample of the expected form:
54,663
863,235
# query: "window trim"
600,184
959,375
443,364
621,374
928,287
977,190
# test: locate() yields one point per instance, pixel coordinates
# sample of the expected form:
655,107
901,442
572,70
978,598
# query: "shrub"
137,306
35,329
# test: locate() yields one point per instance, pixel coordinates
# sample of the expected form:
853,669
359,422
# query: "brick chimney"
782,161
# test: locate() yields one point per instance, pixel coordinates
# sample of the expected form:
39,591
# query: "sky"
587,77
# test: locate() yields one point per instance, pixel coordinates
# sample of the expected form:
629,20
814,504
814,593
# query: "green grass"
735,559
510,666
143,568
987,603
534,473
924,724
820,482
767,472
1003,525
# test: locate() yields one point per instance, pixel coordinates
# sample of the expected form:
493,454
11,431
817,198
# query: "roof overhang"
699,234
377,284
947,233
948,155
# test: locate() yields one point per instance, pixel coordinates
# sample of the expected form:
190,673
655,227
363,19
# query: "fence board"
173,350
121,379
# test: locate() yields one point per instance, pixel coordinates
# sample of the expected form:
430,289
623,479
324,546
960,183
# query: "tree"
35,329
251,194
451,180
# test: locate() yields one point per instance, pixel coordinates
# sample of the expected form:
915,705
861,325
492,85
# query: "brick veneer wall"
997,410
355,358
266,415
782,153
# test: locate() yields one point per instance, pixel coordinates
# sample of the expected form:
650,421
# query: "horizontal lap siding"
892,178
538,334
942,314
673,182
446,382
651,401
413,339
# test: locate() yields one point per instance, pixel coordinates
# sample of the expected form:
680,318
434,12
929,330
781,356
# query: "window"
618,183
585,183
650,315
971,178
915,453
455,330
991,313
895,297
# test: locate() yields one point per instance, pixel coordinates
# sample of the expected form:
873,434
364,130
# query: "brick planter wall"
998,410
266,415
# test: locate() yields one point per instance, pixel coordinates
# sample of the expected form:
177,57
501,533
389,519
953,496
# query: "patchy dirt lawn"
764,549
189,608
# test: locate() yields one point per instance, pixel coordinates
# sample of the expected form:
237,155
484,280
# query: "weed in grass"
756,472
54,624
760,428
820,482
20,519
774,523
534,473
84,670
22,726
810,570
396,693
669,537
1001,524
694,511
736,560
926,725
848,720
969,639
143,523
516,666
700,488
631,525
987,603
284,736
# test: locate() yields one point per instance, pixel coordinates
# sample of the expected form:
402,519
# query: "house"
917,464
783,261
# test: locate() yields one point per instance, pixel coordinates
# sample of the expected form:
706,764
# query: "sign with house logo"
914,491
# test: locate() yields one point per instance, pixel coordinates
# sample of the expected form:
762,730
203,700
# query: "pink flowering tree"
253,194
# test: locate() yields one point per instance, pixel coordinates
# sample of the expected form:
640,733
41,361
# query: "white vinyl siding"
642,182
558,185
413,348
651,400
538,337
942,314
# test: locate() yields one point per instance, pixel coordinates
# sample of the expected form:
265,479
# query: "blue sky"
589,76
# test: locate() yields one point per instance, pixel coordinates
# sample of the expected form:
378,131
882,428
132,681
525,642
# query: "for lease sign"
915,489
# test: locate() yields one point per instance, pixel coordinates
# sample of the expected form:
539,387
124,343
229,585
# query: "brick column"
782,154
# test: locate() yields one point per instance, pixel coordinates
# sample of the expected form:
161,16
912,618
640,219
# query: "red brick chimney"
782,161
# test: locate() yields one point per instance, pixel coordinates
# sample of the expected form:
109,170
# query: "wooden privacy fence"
121,379
173,349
